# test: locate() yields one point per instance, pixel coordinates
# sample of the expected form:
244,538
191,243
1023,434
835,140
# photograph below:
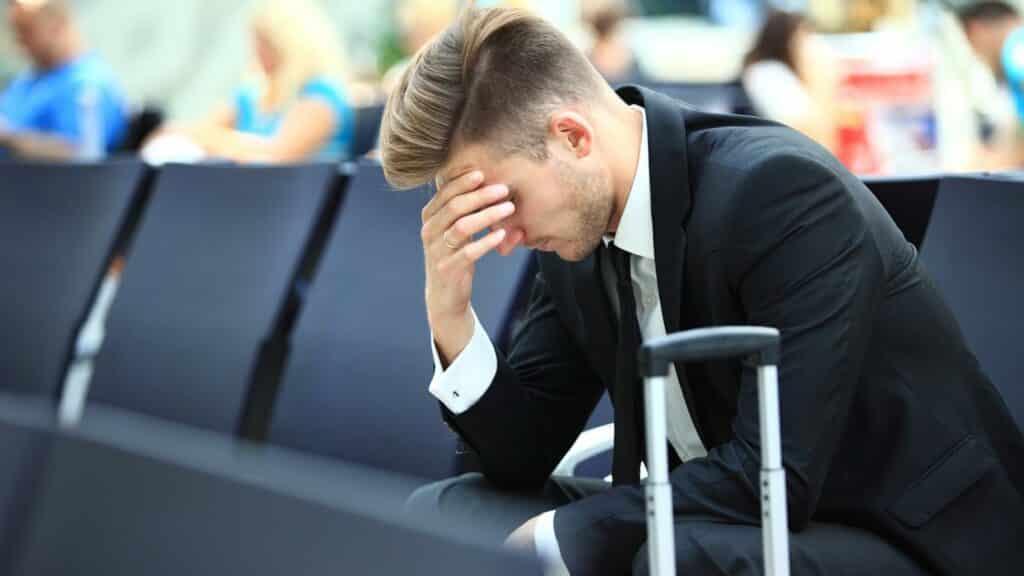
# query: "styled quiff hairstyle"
495,75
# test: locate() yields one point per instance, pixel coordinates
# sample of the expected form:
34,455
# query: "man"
68,104
652,217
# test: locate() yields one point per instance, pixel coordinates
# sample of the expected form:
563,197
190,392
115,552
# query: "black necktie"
628,392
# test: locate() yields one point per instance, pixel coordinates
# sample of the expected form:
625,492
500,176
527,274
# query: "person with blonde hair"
650,217
294,107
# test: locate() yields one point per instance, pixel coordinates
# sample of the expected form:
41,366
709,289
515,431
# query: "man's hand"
36,145
459,210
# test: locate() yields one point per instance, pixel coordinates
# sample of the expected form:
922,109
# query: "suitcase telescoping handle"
761,346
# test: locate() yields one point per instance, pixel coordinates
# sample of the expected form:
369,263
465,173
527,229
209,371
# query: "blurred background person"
610,53
987,26
68,103
295,108
785,75
995,34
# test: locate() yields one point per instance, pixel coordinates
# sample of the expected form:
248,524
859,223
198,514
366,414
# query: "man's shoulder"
739,140
741,170
735,148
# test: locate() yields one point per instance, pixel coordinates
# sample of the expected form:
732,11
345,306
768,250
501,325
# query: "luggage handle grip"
657,354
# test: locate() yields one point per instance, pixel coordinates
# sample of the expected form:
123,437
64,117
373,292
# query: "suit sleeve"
798,257
537,403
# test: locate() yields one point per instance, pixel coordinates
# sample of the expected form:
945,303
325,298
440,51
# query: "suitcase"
760,346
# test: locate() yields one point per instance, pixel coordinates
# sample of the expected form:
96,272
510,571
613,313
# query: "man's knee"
471,502
429,499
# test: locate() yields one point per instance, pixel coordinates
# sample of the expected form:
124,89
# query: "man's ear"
573,131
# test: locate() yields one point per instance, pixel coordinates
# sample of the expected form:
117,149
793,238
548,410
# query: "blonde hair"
495,75
307,44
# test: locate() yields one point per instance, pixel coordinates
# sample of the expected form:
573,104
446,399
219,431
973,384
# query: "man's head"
44,29
504,92
987,24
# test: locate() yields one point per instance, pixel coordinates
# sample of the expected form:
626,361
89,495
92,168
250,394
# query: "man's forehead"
449,173
463,159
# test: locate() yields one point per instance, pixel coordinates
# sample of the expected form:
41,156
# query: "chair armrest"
589,444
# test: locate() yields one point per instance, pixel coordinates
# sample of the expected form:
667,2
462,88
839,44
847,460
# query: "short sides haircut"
494,77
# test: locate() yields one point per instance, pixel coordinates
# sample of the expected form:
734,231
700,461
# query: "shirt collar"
636,229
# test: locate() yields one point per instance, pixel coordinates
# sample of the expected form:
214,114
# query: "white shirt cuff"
469,376
547,545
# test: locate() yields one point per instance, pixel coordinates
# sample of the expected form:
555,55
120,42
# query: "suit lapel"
670,207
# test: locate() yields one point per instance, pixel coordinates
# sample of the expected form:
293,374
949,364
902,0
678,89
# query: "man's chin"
576,252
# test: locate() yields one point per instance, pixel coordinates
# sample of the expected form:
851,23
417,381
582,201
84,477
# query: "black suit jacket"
887,420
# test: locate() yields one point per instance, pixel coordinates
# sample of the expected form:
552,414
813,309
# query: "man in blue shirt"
68,104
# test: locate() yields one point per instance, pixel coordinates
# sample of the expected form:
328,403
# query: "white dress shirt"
467,378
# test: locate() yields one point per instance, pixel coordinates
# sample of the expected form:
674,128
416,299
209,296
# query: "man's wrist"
452,335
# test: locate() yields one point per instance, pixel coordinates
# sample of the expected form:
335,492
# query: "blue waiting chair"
355,386
972,251
59,228
128,494
367,128
215,258
909,201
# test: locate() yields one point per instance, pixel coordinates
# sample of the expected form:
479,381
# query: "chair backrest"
367,127
972,251
129,495
24,447
58,228
141,124
356,383
212,263
720,97
909,202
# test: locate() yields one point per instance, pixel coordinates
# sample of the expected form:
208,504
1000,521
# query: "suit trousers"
703,545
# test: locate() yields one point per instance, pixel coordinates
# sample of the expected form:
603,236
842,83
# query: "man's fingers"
470,253
463,230
470,202
464,183
512,239
460,206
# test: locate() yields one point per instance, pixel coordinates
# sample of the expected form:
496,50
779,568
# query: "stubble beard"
592,209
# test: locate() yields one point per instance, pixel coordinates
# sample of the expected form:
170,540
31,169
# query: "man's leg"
821,549
470,500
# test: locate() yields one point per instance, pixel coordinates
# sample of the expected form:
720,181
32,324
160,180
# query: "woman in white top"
782,82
